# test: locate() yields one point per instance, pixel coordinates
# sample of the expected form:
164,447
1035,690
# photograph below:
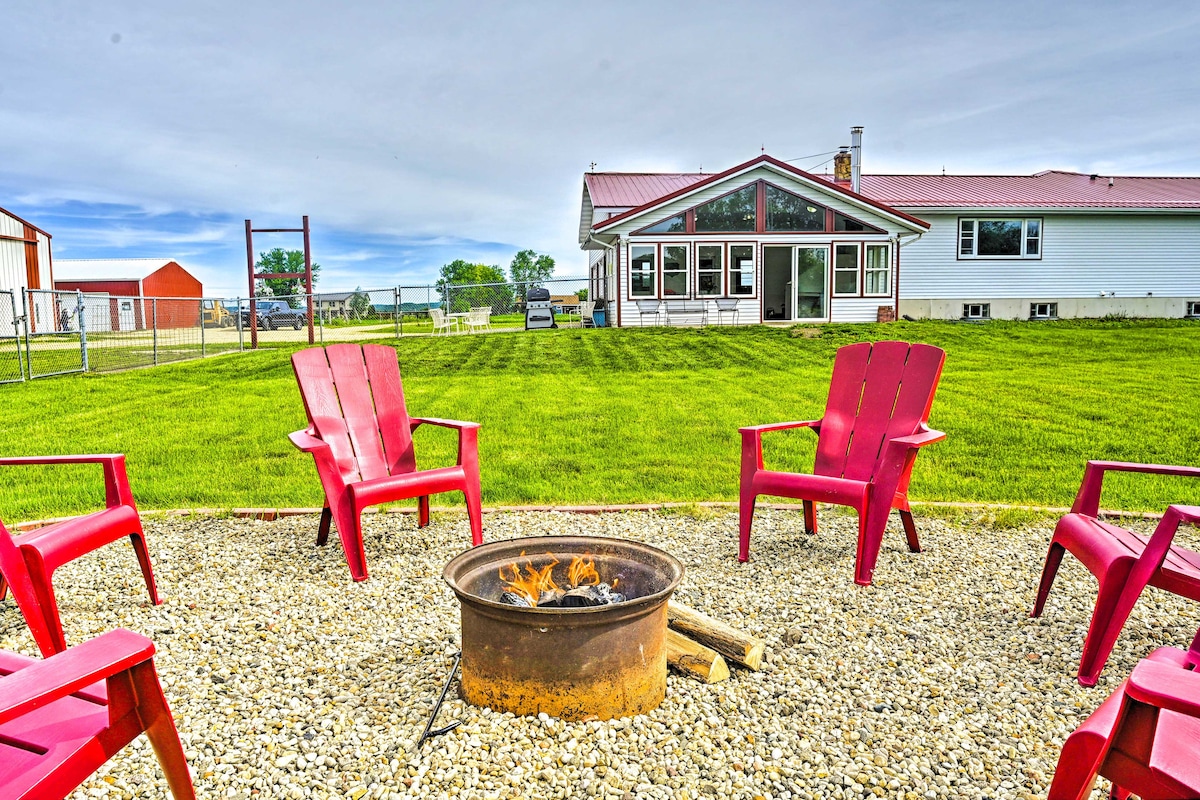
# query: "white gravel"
289,680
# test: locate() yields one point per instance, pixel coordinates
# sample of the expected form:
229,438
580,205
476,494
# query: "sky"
416,133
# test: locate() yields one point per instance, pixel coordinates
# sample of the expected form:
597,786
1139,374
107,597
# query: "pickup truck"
271,314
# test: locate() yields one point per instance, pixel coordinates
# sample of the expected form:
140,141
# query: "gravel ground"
289,680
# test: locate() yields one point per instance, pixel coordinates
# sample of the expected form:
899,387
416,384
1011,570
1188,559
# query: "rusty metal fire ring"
575,663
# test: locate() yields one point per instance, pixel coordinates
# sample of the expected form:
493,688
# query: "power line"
814,155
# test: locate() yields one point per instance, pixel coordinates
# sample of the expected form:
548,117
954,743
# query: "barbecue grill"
538,311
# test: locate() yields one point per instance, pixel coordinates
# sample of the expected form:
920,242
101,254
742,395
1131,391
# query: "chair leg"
474,512
349,525
810,517
3,587
48,632
745,520
138,539
910,530
161,731
1108,618
1049,571
422,511
323,527
868,550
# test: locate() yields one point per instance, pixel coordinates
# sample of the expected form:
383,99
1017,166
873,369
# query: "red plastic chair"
360,436
1123,562
28,561
62,718
879,401
1145,738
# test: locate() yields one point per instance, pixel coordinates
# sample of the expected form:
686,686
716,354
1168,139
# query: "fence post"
154,324
241,333
82,318
204,352
397,322
26,311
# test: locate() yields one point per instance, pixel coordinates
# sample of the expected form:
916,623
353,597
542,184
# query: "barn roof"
8,213
1052,188
108,269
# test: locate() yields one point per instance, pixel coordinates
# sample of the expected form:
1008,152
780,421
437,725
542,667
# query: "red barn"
141,279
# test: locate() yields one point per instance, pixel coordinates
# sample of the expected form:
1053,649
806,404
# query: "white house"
24,264
761,241
792,246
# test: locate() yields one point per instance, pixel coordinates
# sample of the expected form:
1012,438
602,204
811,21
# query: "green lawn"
638,415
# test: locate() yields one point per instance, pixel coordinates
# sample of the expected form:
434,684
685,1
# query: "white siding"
1129,254
857,309
12,255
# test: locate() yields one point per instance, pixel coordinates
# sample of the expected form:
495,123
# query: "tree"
459,273
528,269
360,303
280,260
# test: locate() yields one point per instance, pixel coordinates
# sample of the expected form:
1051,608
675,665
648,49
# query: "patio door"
796,283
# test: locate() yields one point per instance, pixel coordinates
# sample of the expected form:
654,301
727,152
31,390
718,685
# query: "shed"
157,292
24,264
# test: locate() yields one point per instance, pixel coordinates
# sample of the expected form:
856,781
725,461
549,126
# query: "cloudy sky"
414,133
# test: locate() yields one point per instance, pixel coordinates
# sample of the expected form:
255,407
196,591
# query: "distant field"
636,415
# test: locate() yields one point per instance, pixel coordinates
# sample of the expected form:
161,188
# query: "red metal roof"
626,189
1045,189
1048,189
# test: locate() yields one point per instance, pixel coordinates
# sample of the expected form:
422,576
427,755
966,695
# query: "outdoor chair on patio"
441,322
875,422
477,319
648,308
28,561
485,316
586,307
62,718
1123,562
1145,737
360,436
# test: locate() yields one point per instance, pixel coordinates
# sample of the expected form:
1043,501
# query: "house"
342,304
765,238
25,264
798,247
143,292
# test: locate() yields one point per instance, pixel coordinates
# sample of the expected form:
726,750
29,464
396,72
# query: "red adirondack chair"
360,436
62,718
28,561
1123,562
1145,737
879,401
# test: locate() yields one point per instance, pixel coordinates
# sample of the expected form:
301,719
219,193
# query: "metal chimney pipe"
855,157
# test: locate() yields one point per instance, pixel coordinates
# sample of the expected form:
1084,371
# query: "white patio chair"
477,319
727,307
442,323
648,308
485,313
586,307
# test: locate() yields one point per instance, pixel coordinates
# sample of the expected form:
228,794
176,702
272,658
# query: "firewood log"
728,641
694,659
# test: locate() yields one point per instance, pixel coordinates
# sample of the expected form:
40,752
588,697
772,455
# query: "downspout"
591,237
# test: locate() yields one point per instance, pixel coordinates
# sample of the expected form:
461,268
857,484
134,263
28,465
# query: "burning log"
728,641
694,659
534,587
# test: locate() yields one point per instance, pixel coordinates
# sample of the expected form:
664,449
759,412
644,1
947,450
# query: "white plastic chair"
442,323
485,314
586,307
477,319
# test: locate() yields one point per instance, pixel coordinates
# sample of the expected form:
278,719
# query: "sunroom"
761,242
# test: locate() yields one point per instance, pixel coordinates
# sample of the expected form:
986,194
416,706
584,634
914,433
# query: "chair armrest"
1088,500
445,423
815,424
116,481
306,442
1165,686
920,439
67,672
752,454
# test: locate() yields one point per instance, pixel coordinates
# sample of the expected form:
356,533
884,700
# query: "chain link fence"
45,332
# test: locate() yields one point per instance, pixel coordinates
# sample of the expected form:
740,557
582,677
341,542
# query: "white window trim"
687,271
974,236
631,271
857,271
887,268
729,270
1191,308
1051,310
721,248
985,311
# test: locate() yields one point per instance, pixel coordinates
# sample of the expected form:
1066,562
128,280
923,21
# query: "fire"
532,582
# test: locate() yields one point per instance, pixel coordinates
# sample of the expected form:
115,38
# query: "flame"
533,582
530,581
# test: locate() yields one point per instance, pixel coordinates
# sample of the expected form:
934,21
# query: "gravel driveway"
289,680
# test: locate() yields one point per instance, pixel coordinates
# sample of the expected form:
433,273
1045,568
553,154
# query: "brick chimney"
841,167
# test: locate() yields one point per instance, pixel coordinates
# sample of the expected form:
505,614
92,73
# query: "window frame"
720,247
985,311
1191,308
686,271
886,269
973,237
765,186
758,212
1051,310
729,270
652,272
856,271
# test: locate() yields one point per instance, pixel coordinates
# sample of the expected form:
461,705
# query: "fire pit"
596,661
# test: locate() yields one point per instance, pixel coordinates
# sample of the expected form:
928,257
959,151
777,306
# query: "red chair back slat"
390,409
841,408
358,408
323,409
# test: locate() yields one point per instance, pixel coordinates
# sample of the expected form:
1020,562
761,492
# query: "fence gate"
55,332
12,369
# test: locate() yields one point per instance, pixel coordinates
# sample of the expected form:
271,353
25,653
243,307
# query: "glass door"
811,282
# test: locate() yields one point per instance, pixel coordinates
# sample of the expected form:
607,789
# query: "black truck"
272,314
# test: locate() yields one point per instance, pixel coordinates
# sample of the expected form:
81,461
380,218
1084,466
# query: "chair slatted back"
355,404
878,391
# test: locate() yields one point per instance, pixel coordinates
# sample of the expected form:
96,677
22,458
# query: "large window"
675,270
735,211
675,224
1000,238
845,269
709,269
641,270
877,270
791,212
741,269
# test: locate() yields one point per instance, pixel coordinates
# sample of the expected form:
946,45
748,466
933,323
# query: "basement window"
1193,308
1043,310
977,310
